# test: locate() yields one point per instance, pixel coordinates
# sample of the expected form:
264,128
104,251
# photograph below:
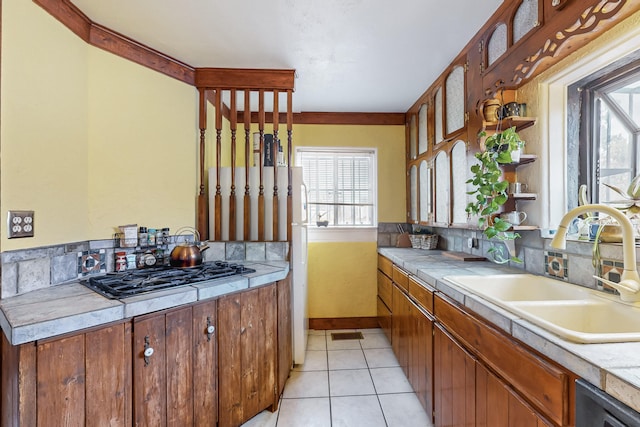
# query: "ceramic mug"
517,187
515,217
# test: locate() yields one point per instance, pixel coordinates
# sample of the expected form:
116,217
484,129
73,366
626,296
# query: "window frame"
373,179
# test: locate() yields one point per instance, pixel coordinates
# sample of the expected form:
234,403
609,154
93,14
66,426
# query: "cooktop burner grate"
135,282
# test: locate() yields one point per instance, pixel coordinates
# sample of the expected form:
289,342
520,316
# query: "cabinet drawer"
384,289
544,385
384,265
401,278
422,295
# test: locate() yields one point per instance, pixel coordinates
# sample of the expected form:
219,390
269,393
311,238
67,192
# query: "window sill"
342,234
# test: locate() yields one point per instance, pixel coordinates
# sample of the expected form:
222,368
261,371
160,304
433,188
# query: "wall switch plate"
20,224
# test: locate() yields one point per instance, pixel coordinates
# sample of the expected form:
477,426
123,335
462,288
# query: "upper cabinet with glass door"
455,101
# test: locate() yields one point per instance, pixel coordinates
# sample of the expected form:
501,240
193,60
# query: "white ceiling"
349,55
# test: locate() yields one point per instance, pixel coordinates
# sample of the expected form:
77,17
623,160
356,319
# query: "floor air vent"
346,336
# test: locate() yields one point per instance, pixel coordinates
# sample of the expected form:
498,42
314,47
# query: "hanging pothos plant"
491,190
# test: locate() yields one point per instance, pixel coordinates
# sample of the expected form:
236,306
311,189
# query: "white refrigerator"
300,317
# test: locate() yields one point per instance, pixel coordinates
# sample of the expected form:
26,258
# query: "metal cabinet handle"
210,329
148,351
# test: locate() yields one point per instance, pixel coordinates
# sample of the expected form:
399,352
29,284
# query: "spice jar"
143,237
151,237
121,261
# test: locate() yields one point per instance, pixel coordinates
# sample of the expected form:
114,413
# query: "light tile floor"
346,383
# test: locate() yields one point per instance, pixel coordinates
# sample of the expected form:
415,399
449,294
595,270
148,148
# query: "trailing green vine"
491,191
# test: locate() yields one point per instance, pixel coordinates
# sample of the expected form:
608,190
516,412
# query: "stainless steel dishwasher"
595,408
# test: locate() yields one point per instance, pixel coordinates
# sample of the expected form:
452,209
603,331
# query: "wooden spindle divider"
233,119
247,162
218,195
261,120
211,82
203,200
276,202
289,162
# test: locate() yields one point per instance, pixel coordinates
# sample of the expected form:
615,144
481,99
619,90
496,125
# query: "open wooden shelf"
523,196
517,121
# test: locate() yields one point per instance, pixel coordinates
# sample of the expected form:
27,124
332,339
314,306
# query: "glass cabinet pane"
438,108
422,130
497,43
459,178
442,188
454,87
425,192
413,179
525,19
413,137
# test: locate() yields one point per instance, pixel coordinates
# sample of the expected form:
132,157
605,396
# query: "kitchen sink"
585,321
501,288
573,312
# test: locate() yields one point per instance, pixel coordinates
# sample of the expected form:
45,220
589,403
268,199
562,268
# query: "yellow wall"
342,279
44,124
143,141
89,141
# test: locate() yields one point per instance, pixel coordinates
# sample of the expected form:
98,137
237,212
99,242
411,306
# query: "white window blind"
341,185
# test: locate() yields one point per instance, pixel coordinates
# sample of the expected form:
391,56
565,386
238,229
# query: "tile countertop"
71,307
614,367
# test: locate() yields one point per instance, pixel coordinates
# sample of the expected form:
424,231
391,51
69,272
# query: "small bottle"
151,236
165,236
143,237
121,261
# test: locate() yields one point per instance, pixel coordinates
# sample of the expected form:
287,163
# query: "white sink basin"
501,288
585,321
570,311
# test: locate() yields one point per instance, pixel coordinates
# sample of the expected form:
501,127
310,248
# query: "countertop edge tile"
95,310
55,327
214,290
137,306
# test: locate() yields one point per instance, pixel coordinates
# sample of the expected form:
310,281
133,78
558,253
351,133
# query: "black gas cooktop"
135,282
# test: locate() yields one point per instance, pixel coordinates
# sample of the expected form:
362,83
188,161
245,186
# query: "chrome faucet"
629,286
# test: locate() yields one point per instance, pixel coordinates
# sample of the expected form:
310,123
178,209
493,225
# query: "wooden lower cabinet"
285,332
218,362
497,405
454,382
400,327
46,383
174,367
421,357
247,352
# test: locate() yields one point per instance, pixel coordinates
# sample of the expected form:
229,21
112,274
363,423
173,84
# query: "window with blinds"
340,184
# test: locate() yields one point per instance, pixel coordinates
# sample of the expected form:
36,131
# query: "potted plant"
491,191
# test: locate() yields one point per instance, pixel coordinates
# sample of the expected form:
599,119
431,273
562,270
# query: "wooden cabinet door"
497,405
77,380
247,354
454,382
401,328
108,376
179,364
259,350
163,376
285,333
205,366
150,371
61,379
421,358
229,363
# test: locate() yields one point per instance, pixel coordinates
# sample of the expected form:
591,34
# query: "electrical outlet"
20,224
